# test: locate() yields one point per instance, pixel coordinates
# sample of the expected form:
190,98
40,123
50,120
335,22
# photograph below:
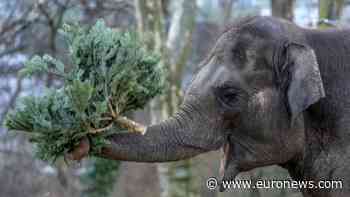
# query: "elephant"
269,93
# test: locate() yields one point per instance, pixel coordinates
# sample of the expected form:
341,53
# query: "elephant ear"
304,85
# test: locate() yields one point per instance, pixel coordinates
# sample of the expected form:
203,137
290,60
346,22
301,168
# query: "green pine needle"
108,68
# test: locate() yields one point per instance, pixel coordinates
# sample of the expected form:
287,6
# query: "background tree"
283,8
174,45
329,12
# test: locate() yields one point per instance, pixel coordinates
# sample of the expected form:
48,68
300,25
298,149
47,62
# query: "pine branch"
111,75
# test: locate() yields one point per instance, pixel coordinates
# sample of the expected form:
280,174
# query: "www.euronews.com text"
213,183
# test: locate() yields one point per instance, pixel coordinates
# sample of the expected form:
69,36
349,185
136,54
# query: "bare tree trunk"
144,12
330,9
174,47
283,9
178,46
329,12
227,12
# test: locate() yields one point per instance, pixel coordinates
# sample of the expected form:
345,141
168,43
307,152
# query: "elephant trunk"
176,138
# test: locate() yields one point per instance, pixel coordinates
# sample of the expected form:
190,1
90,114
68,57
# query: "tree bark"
283,9
226,12
174,47
329,12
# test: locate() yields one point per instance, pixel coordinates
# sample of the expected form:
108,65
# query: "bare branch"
13,50
12,100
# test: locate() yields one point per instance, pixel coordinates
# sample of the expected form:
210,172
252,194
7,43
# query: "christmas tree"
110,74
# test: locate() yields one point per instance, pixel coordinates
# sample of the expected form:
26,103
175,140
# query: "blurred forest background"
182,31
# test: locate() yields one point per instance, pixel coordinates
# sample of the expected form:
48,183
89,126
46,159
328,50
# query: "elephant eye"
227,95
230,94
238,54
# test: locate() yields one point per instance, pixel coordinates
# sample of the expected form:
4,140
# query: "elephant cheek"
261,101
264,111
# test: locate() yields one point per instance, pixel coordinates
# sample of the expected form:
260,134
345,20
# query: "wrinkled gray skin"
274,93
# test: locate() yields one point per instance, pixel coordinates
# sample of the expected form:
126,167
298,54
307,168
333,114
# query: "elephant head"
248,95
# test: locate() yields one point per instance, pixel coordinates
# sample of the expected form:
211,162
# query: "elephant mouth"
225,149
228,166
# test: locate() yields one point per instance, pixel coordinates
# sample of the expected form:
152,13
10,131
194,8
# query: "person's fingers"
80,151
